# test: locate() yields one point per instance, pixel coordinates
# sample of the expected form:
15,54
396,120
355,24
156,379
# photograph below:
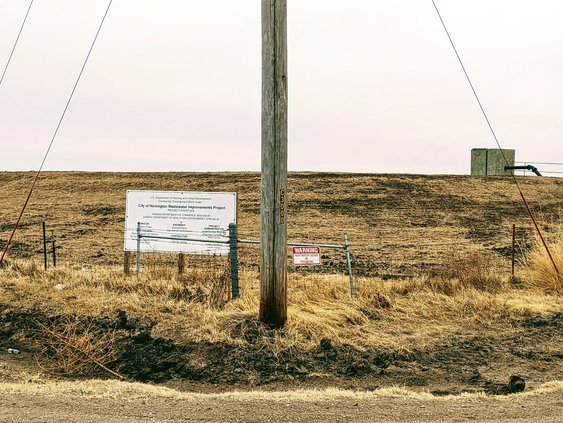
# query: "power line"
56,132
15,43
538,230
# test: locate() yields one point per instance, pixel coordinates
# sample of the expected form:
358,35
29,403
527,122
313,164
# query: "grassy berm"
457,323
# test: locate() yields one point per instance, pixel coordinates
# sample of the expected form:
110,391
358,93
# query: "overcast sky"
374,85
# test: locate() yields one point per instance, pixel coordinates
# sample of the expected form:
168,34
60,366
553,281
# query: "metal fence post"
138,248
349,262
54,247
44,225
513,248
233,255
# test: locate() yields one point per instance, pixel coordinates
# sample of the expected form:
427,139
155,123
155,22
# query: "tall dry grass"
391,316
480,269
540,271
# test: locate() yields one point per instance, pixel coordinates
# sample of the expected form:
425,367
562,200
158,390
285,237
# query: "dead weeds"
415,332
542,271
72,346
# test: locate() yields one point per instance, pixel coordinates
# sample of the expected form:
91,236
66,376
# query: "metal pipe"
44,225
528,167
296,244
138,249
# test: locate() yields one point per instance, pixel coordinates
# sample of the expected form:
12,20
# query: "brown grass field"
399,225
437,310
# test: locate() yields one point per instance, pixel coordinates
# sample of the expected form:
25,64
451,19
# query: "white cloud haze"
374,84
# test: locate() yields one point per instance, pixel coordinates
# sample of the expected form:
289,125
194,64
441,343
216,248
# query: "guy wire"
54,134
529,210
15,43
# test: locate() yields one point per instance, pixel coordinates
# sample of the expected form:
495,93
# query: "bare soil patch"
460,364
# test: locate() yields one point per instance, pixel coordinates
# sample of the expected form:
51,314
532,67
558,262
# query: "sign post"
273,215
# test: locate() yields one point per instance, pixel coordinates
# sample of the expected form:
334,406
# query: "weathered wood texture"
273,224
127,258
181,263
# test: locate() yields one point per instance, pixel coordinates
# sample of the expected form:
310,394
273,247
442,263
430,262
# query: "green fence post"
349,262
44,225
54,248
138,249
233,255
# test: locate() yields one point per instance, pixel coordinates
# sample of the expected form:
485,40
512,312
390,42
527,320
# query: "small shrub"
73,347
480,270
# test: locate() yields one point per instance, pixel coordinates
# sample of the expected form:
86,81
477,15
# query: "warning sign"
306,256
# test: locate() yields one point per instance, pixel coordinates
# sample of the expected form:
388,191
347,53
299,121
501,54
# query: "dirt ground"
248,409
27,397
466,363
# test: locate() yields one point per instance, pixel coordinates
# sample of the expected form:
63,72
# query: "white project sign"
180,215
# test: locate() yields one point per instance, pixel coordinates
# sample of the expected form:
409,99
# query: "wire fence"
399,227
25,247
204,261
382,253
332,266
545,168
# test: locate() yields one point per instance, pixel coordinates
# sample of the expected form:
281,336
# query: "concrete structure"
478,161
491,161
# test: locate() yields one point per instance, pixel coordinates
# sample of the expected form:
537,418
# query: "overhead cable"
55,133
526,204
15,43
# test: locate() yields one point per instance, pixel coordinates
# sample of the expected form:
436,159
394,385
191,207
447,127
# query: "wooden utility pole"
273,216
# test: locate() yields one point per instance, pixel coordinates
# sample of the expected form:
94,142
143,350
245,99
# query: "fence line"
233,243
542,168
383,257
382,253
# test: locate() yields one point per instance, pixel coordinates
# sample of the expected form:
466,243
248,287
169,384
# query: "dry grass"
397,224
447,227
540,272
71,346
478,269
397,316
135,391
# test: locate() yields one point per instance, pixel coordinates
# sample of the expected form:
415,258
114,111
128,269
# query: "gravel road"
213,408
